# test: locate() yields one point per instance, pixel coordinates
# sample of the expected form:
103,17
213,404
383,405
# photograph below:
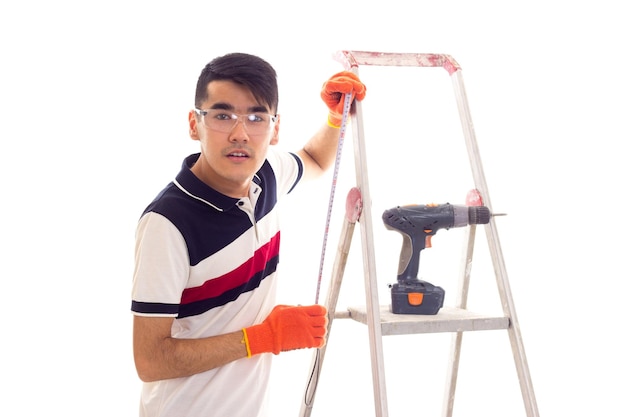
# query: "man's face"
229,160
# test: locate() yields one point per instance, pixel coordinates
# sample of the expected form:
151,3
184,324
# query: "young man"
203,297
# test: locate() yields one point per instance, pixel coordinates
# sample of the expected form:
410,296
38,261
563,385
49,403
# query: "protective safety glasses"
224,121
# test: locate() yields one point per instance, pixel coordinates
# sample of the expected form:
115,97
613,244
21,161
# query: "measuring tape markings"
342,134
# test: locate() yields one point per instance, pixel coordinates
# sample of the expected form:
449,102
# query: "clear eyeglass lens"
221,121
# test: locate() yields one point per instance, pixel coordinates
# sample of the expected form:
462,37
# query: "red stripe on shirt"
235,278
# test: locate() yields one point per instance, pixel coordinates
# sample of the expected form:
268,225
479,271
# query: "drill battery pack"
416,297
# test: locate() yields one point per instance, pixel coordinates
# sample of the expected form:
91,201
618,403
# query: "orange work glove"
288,328
334,91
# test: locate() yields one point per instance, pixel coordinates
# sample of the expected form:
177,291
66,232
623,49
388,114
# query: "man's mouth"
238,154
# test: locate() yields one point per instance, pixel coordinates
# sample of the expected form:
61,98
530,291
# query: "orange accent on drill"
418,224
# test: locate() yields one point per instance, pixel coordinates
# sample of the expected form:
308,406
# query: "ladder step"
449,319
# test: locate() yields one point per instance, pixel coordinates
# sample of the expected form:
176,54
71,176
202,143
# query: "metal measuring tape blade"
342,134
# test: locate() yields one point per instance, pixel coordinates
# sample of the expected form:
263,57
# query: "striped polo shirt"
210,261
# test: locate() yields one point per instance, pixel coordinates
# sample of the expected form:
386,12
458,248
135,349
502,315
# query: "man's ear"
193,125
275,130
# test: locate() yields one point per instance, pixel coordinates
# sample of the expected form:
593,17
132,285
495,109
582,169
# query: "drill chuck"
478,215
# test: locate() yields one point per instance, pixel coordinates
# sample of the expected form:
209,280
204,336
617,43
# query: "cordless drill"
418,224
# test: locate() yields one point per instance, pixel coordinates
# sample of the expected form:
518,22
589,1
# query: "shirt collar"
195,188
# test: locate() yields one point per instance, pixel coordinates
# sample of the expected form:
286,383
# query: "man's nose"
238,131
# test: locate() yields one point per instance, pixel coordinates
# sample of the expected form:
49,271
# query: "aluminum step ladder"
380,321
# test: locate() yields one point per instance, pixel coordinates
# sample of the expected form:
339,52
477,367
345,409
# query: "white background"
93,105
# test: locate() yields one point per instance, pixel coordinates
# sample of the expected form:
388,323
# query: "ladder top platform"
352,59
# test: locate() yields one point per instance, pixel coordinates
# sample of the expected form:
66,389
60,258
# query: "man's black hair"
252,72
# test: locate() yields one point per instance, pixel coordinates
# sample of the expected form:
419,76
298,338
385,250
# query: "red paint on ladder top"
352,59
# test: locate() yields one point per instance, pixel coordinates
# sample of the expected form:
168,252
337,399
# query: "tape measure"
312,383
342,135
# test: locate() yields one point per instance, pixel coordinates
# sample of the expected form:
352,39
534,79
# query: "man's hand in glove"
334,91
288,328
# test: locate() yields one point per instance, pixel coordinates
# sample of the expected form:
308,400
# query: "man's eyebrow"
222,106
258,109
227,106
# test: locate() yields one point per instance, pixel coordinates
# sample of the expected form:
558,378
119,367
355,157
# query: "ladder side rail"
467,260
515,335
350,63
470,137
332,297
495,249
457,337
369,264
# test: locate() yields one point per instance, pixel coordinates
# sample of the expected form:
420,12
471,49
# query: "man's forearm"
320,151
175,358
